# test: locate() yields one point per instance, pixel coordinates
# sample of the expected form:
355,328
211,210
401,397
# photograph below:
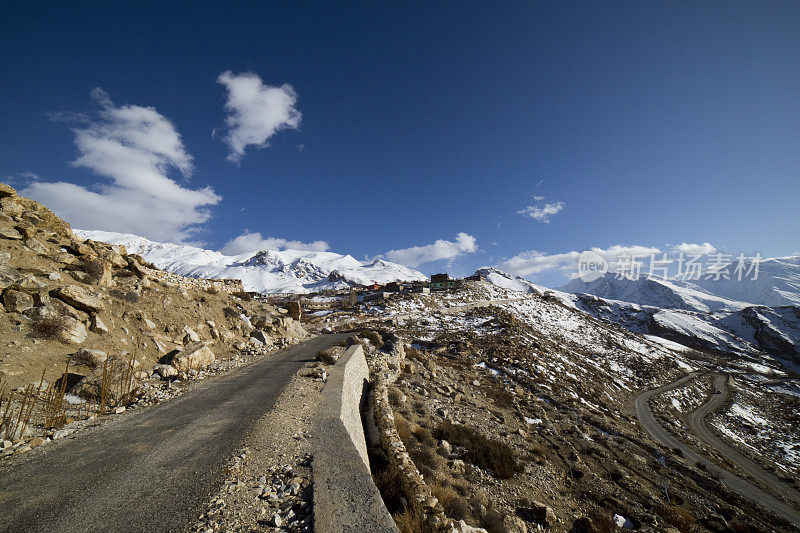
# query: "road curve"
152,470
735,483
703,432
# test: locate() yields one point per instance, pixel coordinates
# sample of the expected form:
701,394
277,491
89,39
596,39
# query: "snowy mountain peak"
508,281
655,292
265,271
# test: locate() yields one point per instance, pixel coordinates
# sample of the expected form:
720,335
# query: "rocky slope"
264,271
765,322
86,326
518,415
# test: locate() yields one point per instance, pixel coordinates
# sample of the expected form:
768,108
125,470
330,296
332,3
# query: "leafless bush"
94,268
50,326
243,295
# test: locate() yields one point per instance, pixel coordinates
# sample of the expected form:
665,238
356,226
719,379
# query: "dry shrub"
374,337
501,396
212,290
676,516
390,484
492,522
597,522
489,454
454,505
394,397
410,520
425,457
403,428
424,437
50,326
94,268
243,295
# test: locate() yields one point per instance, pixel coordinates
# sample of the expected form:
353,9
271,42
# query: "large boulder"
120,380
191,335
97,325
9,276
7,190
7,232
37,246
136,267
49,220
17,301
194,357
10,206
50,323
166,371
294,309
80,298
98,272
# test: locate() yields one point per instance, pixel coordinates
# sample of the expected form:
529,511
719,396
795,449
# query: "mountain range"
264,271
748,318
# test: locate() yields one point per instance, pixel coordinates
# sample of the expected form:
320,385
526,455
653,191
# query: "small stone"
97,325
61,433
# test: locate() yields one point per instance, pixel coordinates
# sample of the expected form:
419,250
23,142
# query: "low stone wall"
222,285
345,496
414,487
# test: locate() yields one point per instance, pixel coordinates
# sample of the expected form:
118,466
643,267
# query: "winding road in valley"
149,470
787,509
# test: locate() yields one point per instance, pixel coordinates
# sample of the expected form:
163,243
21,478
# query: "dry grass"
390,485
454,505
403,428
676,516
410,520
489,454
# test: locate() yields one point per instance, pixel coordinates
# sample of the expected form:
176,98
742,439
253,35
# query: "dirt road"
736,483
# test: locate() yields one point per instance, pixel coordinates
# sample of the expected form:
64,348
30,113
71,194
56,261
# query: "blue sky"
503,133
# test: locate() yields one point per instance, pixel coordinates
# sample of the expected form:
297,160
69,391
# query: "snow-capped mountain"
655,292
509,281
777,283
264,271
690,313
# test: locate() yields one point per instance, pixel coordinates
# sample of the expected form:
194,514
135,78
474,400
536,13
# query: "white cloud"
255,111
542,212
533,262
695,249
441,249
251,242
134,147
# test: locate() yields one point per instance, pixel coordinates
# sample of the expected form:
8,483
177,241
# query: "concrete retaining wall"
345,496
